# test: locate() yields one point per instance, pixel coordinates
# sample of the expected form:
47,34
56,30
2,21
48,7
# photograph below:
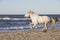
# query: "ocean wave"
26,27
8,18
18,27
13,28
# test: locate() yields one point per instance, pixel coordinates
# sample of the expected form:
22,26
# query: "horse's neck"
34,16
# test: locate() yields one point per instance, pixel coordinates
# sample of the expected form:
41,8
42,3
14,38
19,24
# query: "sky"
21,6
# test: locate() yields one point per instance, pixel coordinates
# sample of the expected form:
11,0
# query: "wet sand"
31,35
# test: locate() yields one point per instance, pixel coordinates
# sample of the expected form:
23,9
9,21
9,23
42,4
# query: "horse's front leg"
34,26
31,25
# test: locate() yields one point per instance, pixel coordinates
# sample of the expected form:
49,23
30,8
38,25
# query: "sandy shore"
31,35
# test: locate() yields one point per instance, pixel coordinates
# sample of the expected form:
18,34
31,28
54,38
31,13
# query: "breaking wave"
13,28
7,18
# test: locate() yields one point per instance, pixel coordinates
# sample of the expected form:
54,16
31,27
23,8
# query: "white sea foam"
7,18
13,28
25,27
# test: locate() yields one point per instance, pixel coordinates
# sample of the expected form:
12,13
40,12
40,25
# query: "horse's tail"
58,19
55,18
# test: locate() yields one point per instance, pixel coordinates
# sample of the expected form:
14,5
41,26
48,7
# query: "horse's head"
28,13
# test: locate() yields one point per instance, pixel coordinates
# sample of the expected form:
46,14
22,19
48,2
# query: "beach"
31,35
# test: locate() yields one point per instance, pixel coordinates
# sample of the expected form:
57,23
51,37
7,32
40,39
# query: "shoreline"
31,35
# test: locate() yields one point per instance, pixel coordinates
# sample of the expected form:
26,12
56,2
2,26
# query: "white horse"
36,19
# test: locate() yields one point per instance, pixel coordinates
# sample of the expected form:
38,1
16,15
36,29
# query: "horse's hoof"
31,27
35,27
44,30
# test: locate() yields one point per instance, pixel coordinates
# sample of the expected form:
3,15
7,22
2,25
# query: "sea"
14,23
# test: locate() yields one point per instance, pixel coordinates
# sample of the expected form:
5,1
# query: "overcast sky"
38,6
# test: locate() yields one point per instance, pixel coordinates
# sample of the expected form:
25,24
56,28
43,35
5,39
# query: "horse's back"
43,19
46,18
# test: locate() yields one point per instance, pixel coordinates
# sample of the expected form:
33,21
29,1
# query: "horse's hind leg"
53,24
45,28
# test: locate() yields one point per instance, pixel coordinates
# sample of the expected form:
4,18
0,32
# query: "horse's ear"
29,11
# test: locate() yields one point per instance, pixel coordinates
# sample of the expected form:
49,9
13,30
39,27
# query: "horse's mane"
32,12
